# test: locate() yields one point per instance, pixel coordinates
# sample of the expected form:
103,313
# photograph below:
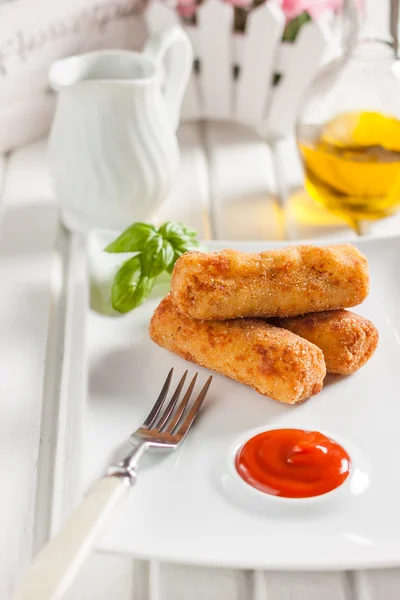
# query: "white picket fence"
214,93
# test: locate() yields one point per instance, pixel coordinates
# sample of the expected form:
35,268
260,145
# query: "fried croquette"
272,360
347,340
275,283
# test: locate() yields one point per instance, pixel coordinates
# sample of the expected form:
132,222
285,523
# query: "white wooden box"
34,33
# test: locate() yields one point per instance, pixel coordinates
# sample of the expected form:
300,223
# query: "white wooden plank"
237,47
306,586
159,16
3,163
280,119
259,586
69,408
242,185
27,234
303,217
287,50
380,584
284,56
73,387
25,119
238,44
201,583
105,577
189,200
141,580
155,589
215,47
51,386
193,34
192,103
27,180
264,30
360,587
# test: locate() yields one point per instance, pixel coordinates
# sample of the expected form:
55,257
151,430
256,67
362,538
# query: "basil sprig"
156,250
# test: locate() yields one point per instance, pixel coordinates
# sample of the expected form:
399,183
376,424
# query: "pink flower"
186,8
240,3
294,8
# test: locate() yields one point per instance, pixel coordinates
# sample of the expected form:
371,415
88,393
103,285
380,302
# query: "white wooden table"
231,186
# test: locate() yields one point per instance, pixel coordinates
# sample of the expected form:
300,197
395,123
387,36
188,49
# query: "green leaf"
130,288
156,256
181,238
174,231
169,254
292,28
133,239
170,267
158,250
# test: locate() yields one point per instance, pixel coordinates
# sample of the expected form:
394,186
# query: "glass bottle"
348,129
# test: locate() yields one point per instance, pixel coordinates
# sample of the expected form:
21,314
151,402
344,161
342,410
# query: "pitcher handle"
174,41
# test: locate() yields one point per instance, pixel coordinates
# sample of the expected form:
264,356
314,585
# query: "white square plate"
182,508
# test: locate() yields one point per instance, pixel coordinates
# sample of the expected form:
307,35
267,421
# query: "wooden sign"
34,34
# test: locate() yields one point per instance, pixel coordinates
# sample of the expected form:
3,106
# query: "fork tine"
171,405
190,417
170,426
153,414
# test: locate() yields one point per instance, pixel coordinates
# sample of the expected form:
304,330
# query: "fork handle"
58,563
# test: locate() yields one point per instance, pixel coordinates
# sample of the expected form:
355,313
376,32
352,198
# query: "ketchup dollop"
293,463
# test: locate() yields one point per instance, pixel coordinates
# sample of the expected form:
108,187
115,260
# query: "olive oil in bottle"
352,163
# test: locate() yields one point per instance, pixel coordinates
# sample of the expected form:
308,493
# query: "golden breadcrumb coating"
347,340
275,283
273,361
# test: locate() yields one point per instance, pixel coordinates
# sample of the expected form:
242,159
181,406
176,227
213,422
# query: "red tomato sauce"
293,463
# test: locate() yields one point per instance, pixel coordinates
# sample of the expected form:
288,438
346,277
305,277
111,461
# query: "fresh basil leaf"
170,267
156,257
187,246
182,239
169,254
130,288
158,250
133,239
177,254
151,257
182,245
177,231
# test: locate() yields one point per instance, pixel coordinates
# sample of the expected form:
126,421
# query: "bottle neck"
369,23
379,20
372,49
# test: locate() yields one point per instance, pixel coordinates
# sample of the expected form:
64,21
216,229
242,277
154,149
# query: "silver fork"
58,563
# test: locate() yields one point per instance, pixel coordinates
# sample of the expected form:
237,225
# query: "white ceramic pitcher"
113,151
